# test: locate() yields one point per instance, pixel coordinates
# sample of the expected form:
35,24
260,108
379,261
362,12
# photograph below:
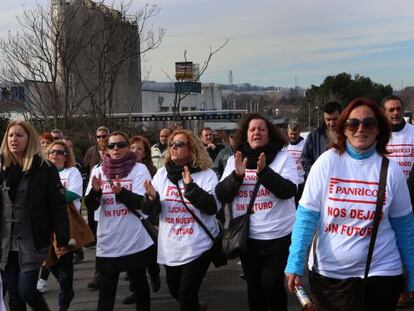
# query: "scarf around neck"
175,172
118,167
252,155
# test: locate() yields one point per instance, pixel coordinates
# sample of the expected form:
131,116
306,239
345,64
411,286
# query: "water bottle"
303,298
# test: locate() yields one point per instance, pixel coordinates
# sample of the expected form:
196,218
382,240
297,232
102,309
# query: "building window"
193,108
184,108
164,109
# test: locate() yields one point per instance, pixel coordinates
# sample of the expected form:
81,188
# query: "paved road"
222,290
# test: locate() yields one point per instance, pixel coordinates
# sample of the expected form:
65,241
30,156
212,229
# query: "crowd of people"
163,206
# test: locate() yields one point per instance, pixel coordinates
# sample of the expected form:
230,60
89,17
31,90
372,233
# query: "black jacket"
315,145
46,204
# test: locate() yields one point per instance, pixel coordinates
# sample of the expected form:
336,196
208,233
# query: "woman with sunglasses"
123,244
32,207
185,183
260,163
64,160
339,202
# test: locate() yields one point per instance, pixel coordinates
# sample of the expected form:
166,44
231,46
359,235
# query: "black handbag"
236,235
347,294
217,256
151,230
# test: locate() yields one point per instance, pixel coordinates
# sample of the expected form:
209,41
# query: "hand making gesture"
261,163
149,189
240,164
96,183
187,179
116,185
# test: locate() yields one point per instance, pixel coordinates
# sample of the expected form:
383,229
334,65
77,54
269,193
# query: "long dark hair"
384,126
276,137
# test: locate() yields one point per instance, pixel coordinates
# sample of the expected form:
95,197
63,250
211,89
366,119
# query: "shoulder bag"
151,230
236,235
347,294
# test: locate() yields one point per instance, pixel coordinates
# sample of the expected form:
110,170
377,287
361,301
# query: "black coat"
315,145
45,201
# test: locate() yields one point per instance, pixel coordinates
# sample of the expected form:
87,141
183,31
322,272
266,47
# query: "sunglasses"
101,136
367,124
57,152
177,144
120,145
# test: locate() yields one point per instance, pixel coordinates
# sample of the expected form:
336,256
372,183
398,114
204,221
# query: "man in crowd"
318,140
224,154
158,151
56,134
295,147
206,137
401,143
400,148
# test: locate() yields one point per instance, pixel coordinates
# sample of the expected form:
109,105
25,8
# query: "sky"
276,42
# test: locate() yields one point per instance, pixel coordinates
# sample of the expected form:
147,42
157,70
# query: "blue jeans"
63,272
21,286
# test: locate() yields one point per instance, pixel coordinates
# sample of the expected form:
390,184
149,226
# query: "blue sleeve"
302,234
404,232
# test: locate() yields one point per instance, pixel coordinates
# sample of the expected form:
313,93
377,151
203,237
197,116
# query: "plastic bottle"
303,298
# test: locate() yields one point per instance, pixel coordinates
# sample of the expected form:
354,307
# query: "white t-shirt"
295,151
71,180
2,307
180,238
344,190
401,148
272,218
120,232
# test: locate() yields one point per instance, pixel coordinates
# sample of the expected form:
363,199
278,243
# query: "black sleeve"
151,208
227,189
307,157
57,207
93,199
281,187
200,198
130,199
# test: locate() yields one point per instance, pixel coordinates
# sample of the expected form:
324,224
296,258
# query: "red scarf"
118,167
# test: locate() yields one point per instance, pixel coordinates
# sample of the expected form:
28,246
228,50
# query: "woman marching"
28,219
260,163
181,189
123,244
62,157
339,202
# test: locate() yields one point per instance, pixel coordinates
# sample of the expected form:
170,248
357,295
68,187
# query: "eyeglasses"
177,144
120,145
367,123
101,136
56,152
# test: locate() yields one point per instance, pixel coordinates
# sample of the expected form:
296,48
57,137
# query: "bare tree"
71,57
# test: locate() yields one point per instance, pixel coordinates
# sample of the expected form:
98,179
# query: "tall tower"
231,79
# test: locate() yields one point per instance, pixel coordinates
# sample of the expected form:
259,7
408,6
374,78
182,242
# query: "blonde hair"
32,147
70,156
199,155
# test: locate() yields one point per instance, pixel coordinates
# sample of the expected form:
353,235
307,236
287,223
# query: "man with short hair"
318,140
206,137
295,147
56,134
92,156
158,151
401,143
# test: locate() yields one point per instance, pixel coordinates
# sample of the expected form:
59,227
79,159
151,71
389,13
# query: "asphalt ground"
222,289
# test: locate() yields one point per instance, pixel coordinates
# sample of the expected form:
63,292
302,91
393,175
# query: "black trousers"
265,277
108,283
184,281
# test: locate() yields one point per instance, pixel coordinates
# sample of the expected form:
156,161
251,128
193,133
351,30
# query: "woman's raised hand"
149,189
261,163
187,179
96,182
116,185
240,164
